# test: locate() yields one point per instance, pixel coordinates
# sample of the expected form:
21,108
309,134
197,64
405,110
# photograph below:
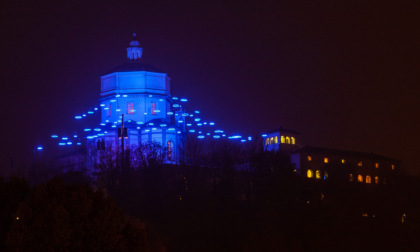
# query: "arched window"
359,178
318,174
271,140
276,140
288,140
351,177
376,180
282,139
293,140
309,174
368,179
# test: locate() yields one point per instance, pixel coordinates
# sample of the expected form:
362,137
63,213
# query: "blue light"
185,114
151,124
97,129
199,124
54,136
243,140
161,100
191,131
184,100
117,95
79,143
205,123
171,129
216,136
69,143
118,110
106,120
147,130
39,148
87,130
170,113
224,135
113,100
218,131
197,119
264,135
90,112
150,95
208,134
163,125
200,137
197,112
189,124
191,115
61,144
174,98
180,121
74,136
95,109
78,117
101,134
235,137
102,105
154,128
113,126
125,96
138,127
139,122
200,132
179,132
103,124
211,123
157,111
84,115
249,138
89,137
175,105
64,138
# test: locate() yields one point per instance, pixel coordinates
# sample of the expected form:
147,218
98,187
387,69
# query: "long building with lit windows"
322,163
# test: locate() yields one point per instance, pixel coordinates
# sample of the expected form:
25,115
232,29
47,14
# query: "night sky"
343,73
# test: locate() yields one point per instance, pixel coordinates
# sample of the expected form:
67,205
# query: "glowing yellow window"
376,180
309,174
376,165
276,140
343,161
359,178
309,158
392,167
271,140
326,160
282,139
351,177
288,140
267,141
359,163
293,140
368,179
318,174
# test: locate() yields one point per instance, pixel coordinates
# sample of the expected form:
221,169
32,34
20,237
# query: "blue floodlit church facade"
141,94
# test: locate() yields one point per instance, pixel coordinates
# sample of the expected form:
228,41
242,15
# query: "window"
325,174
309,158
276,140
318,174
271,140
293,140
267,141
282,139
153,108
169,149
392,166
109,111
288,140
309,174
326,160
368,179
376,180
359,163
376,165
359,178
130,108
351,177
343,161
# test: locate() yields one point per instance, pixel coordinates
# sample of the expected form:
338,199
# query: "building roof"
281,129
134,67
321,150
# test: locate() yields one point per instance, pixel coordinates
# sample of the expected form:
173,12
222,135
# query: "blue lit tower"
142,93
